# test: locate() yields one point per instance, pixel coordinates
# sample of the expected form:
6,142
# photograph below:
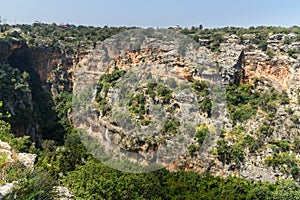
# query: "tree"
260,191
202,133
286,189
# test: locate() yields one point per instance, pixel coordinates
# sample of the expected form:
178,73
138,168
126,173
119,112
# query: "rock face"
244,63
27,159
236,62
153,58
277,70
11,156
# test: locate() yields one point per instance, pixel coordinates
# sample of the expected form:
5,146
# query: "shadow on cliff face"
44,117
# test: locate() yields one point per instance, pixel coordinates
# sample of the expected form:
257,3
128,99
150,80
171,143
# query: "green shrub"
35,185
250,143
158,90
192,149
202,133
137,104
170,126
260,191
279,159
3,160
227,153
284,146
242,101
286,189
298,95
284,98
271,54
15,172
296,145
265,130
263,45
295,171
243,113
201,90
293,53
237,153
295,119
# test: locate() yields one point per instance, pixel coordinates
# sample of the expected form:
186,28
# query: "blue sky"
153,13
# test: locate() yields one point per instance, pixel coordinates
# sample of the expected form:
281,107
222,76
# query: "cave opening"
43,116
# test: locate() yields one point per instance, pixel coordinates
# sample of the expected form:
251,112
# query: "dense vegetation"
67,40
99,182
212,38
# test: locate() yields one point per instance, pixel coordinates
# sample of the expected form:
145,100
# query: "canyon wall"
53,72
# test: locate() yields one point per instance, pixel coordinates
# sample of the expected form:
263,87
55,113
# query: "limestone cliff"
236,62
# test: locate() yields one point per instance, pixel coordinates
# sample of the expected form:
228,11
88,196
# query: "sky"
154,13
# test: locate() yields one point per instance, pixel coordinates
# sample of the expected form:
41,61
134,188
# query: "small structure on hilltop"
64,25
36,22
177,27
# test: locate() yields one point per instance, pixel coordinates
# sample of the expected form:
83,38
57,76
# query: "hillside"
216,106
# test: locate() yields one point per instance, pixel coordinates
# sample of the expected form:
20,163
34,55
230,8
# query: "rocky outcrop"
231,61
277,70
63,193
11,157
7,47
6,190
245,62
153,58
27,159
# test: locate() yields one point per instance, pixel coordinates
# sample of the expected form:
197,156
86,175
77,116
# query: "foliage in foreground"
96,181
37,184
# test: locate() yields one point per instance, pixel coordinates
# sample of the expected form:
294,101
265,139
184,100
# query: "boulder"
5,190
5,145
27,159
63,193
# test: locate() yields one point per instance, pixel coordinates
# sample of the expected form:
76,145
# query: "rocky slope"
238,64
238,61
